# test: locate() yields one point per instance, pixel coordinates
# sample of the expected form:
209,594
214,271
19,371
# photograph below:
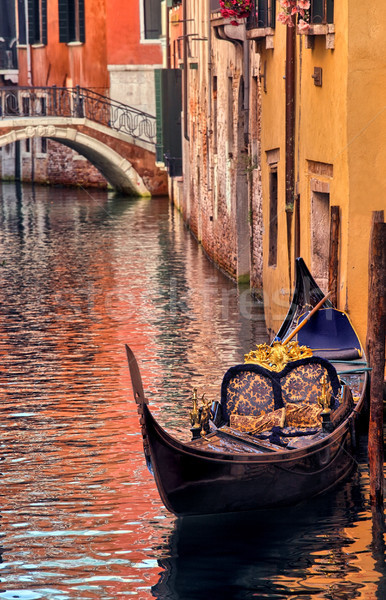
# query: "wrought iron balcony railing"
77,103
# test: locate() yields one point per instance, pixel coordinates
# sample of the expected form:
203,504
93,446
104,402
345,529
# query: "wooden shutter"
152,11
22,33
82,22
65,27
31,21
43,33
64,30
37,21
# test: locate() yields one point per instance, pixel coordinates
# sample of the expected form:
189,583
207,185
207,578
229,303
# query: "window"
22,30
322,11
214,97
230,117
262,14
37,21
71,21
320,237
152,19
272,252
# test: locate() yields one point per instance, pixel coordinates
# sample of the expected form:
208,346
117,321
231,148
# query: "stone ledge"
326,29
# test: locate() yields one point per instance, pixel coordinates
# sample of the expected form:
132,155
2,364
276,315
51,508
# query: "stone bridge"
117,139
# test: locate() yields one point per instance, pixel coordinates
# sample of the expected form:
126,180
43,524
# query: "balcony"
321,23
261,22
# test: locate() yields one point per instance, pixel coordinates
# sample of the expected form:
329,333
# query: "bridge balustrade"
16,102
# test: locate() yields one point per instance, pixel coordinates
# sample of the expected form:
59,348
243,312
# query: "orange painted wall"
124,46
69,64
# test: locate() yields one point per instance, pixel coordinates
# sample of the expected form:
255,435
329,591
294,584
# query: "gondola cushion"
252,390
303,383
249,390
265,422
293,415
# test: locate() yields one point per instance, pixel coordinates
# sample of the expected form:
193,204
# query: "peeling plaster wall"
222,191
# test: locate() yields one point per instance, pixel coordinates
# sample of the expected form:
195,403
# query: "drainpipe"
185,43
209,117
29,61
290,136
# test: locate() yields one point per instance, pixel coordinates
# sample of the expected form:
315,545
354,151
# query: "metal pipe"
290,135
29,58
185,82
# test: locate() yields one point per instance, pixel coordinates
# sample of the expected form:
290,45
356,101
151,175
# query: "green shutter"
31,21
82,22
159,152
43,33
168,118
64,30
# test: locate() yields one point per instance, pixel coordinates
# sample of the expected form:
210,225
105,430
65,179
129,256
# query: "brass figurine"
199,416
194,414
205,416
325,399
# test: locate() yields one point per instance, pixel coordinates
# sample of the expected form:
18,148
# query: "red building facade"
108,46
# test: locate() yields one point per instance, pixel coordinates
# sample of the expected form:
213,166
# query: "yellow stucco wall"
343,124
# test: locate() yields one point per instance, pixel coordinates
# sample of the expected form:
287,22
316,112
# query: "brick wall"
57,165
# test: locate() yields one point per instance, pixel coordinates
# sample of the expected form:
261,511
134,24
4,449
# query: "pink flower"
285,19
303,27
304,4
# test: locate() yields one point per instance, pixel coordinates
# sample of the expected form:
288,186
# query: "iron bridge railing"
79,103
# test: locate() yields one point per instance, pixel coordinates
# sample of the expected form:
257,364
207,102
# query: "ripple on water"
81,276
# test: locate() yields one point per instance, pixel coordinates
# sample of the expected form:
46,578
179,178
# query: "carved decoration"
40,131
276,357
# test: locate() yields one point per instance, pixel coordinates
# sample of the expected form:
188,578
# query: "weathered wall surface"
114,60
69,64
222,192
131,59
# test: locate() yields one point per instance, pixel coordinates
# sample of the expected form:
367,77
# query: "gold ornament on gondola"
275,357
325,399
199,416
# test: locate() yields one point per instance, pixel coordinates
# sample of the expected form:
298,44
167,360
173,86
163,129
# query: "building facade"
283,144
103,45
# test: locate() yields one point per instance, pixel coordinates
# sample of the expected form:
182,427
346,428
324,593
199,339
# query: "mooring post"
333,263
375,344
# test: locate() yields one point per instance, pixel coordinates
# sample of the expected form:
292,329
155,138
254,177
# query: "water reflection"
302,552
80,276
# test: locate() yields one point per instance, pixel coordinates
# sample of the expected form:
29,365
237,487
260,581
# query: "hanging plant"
288,8
235,9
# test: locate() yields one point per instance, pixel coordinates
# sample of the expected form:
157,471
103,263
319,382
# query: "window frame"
72,28
145,39
37,22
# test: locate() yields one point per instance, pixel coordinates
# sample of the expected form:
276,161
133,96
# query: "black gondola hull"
192,482
223,473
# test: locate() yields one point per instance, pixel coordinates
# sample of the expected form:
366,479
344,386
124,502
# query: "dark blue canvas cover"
330,331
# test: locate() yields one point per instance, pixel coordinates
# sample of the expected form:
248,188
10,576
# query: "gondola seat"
255,399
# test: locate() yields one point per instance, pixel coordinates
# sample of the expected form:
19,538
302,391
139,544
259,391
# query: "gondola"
283,427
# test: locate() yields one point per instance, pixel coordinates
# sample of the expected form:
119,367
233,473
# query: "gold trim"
275,357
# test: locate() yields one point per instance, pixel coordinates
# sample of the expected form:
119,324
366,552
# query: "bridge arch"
128,167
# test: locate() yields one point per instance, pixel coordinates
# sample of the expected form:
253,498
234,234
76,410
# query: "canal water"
82,273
